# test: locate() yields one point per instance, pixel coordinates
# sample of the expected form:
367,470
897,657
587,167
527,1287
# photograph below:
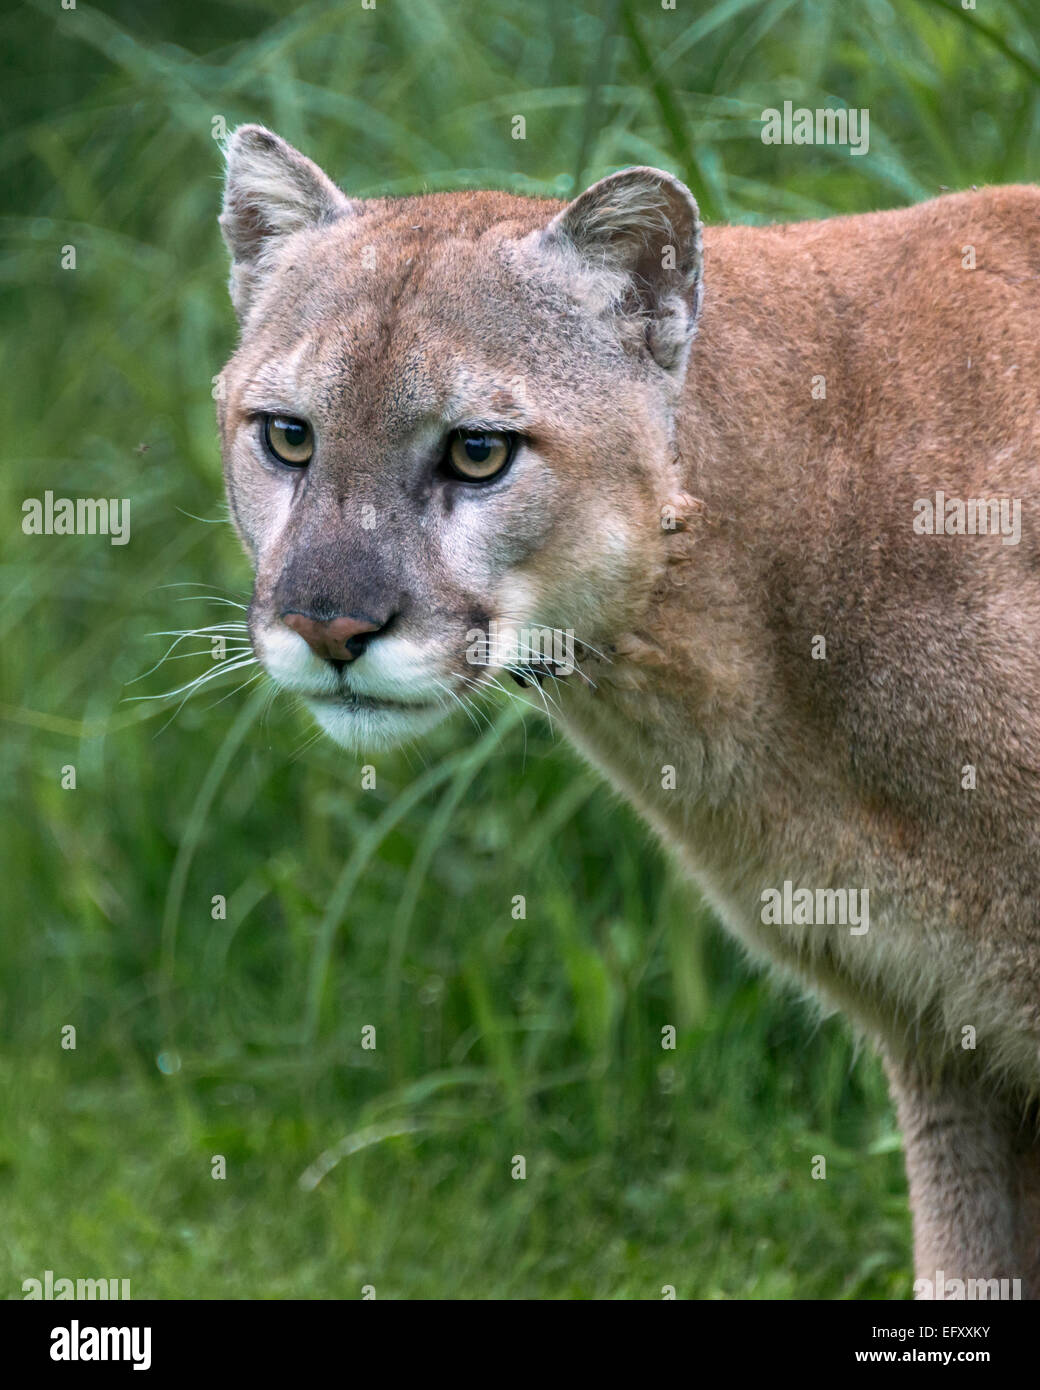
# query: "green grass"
390,907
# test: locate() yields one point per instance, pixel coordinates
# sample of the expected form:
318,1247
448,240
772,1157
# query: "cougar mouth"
354,720
355,700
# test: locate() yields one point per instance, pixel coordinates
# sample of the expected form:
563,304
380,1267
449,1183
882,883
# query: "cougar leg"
974,1171
1027,1162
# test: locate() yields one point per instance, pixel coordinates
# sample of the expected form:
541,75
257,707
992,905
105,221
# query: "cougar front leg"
973,1165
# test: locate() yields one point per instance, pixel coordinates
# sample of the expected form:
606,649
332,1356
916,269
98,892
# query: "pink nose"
341,639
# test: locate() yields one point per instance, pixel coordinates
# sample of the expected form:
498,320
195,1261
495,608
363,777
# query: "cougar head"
448,423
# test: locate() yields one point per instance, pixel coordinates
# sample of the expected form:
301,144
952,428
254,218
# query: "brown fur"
385,323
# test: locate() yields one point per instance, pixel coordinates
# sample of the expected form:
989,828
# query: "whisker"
488,682
191,689
541,692
213,598
194,584
459,701
271,695
307,742
183,656
243,686
209,520
198,631
199,681
226,631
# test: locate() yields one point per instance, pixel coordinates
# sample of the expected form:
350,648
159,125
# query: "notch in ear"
271,191
642,227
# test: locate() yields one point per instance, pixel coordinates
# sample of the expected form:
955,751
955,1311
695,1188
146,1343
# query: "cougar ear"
271,191
641,226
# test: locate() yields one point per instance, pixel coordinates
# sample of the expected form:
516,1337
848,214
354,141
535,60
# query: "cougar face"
449,420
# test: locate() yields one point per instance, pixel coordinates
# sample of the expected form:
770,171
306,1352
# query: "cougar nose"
339,639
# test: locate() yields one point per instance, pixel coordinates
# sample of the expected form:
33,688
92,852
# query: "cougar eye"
479,455
289,440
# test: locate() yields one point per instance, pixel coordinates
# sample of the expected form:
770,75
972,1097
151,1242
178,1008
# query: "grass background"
390,907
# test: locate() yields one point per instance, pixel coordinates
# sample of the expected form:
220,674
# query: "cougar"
771,492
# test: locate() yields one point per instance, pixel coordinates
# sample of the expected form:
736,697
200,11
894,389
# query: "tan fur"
686,506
